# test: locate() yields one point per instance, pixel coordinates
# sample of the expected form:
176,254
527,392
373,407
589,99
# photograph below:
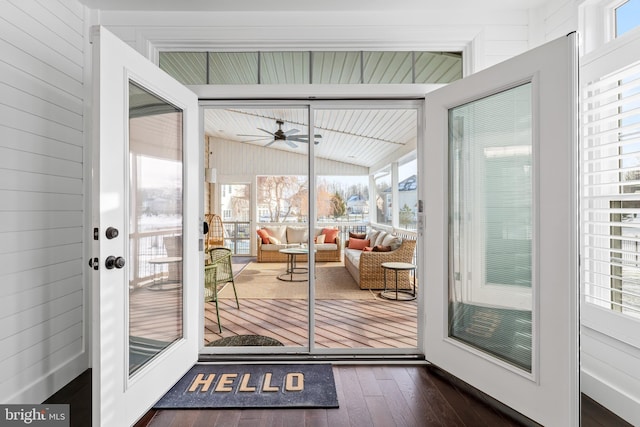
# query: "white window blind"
610,162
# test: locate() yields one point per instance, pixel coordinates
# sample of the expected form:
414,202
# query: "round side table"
399,294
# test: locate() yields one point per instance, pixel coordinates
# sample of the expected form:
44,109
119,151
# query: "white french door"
500,253
145,232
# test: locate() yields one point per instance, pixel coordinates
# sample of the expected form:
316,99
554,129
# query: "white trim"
46,385
603,392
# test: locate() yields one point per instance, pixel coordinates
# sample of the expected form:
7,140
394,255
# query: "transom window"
627,16
317,67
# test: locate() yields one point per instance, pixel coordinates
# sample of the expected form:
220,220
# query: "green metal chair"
216,274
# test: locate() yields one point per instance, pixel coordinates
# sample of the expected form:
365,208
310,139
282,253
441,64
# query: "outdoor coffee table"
399,294
292,268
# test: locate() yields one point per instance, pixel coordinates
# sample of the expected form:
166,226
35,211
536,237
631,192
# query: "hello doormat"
253,386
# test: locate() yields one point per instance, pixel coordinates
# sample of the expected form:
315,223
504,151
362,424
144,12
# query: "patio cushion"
274,240
353,255
379,239
331,234
297,235
319,239
373,235
277,231
275,247
391,240
263,235
327,247
358,243
353,235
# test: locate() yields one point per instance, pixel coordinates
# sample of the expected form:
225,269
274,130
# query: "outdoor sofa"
273,238
364,256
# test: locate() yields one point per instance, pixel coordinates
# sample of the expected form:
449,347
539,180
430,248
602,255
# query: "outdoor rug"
260,281
253,386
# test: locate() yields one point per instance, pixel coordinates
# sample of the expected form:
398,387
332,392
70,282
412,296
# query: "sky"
627,16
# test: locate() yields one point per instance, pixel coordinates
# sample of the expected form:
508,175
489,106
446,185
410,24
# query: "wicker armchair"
217,273
370,275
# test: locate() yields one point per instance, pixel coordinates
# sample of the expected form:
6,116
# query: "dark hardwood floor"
369,395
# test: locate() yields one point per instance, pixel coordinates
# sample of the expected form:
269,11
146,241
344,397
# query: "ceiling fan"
289,136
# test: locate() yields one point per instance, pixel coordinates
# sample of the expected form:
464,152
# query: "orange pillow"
331,234
358,243
263,235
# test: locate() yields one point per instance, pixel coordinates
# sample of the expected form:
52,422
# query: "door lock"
111,233
113,262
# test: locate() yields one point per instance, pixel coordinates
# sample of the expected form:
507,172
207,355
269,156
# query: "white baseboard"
43,388
611,398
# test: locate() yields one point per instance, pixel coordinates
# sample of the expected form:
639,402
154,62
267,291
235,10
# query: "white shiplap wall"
488,36
42,328
234,160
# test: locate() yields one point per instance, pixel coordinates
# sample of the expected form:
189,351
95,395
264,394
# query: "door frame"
351,102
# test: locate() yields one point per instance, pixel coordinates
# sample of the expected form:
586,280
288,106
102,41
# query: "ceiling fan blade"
297,139
291,132
270,143
257,136
291,144
257,140
264,130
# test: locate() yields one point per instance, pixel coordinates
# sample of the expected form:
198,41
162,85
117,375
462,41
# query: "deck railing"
148,245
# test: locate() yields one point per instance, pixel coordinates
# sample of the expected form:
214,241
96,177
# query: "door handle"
113,262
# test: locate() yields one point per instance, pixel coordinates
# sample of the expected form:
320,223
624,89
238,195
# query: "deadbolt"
111,233
113,262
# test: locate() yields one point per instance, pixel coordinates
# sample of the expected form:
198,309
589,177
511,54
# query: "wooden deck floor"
338,323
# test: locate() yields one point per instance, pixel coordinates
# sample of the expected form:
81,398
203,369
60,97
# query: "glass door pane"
366,194
267,145
492,224
156,225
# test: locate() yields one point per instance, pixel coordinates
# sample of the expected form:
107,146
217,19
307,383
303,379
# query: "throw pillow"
380,248
263,235
277,231
297,235
331,234
373,235
393,241
274,240
359,244
320,239
368,249
357,235
379,239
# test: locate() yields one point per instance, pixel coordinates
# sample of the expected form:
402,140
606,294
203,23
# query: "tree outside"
406,217
284,197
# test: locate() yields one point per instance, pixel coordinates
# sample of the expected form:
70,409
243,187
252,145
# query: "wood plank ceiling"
363,137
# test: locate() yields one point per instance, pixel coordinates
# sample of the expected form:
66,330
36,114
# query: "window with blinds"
610,162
